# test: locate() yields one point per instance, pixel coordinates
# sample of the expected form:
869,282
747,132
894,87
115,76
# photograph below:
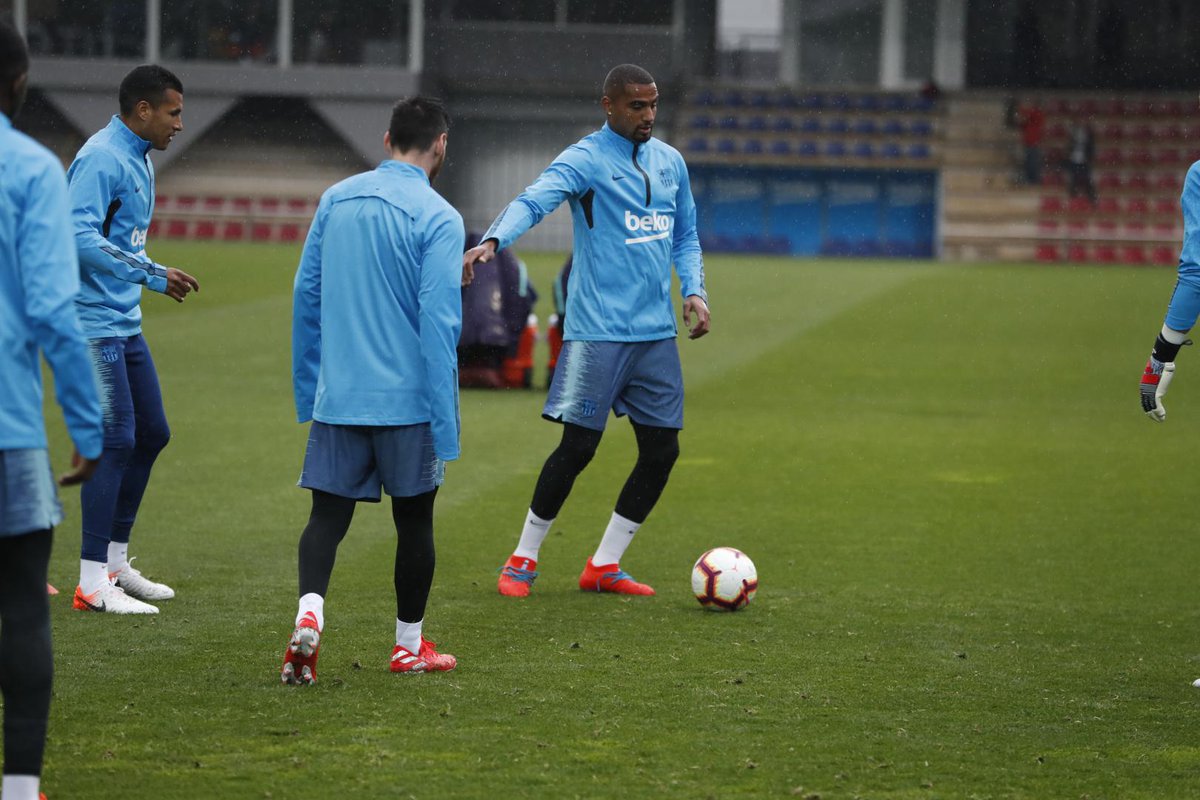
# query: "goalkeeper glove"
1155,380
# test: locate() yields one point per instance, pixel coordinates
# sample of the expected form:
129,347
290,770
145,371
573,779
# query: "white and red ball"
724,579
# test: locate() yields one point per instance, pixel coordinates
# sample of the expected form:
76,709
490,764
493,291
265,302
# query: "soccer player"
112,200
377,313
634,216
1183,309
39,277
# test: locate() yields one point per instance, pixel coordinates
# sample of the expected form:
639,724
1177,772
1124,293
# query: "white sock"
118,556
316,604
1173,336
408,635
532,536
20,787
617,537
92,575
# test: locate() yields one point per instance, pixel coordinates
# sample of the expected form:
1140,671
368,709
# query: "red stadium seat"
1141,157
205,229
1049,227
1166,205
155,226
233,231
242,205
1134,254
1165,230
214,205
1167,181
185,202
1165,255
1105,254
1047,252
1106,228
1108,205
1138,182
1077,228
1109,155
1079,205
1169,133
162,202
177,229
289,232
1052,204
1137,205
1114,131
268,205
1053,178
1167,156
1134,229
1109,180
260,232
1077,252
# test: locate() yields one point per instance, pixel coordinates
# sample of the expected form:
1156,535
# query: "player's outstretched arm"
694,304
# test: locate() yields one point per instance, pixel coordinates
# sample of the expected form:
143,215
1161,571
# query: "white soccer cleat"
137,585
110,599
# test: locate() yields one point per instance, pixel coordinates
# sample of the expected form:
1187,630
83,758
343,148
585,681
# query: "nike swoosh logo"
93,606
618,177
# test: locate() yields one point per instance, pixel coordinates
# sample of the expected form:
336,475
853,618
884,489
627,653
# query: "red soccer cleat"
610,578
516,577
300,657
427,659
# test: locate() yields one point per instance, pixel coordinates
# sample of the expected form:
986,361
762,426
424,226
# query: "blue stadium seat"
922,104
702,122
892,127
782,124
865,127
788,100
813,102
921,127
890,150
837,125
727,146
762,100
811,125
840,102
919,150
895,102
757,124
780,147
729,122
835,148
752,147
705,97
698,144
867,102
864,150
735,98
806,148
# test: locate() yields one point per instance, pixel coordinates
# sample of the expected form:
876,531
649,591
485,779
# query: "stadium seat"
1047,252
268,205
1133,229
1106,228
892,127
840,102
782,124
752,147
807,148
1166,205
1113,132
1138,182
1169,133
1167,181
835,148
890,150
702,122
260,232
1109,180
1079,205
864,150
762,100
921,127
177,229
780,147
290,232
757,124
214,205
297,205
1078,253
1165,230
185,203
1053,178
734,98
1109,155
705,97
1077,228
205,229
1108,205
1052,204
895,102
814,102
726,146
1049,227
242,205
1164,255
1057,130
865,127
811,125
155,227
1140,156
919,151
729,122
1167,156
787,100
233,231
922,103
1105,254
697,144
868,102
162,202
838,126
1133,254
1137,206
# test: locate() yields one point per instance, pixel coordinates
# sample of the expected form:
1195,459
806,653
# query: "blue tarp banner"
807,212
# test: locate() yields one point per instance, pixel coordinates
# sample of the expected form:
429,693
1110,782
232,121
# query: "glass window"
620,12
501,10
89,28
920,29
365,32
219,30
839,42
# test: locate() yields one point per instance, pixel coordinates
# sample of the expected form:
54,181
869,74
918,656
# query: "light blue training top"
112,200
39,278
377,308
634,216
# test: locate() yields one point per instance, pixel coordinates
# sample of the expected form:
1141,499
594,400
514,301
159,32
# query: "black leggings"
657,450
415,556
26,660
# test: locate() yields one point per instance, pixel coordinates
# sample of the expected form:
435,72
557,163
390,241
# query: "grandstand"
788,154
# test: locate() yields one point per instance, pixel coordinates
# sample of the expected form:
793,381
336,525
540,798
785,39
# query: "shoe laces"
617,577
131,569
518,574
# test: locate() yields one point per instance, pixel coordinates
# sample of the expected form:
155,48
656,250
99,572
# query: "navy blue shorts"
355,461
641,379
28,498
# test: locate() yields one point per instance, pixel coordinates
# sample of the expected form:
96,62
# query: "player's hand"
1156,378
81,470
484,252
694,304
179,283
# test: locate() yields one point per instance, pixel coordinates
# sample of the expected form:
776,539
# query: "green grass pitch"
977,563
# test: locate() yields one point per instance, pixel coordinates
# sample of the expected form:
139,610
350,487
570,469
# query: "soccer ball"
724,579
